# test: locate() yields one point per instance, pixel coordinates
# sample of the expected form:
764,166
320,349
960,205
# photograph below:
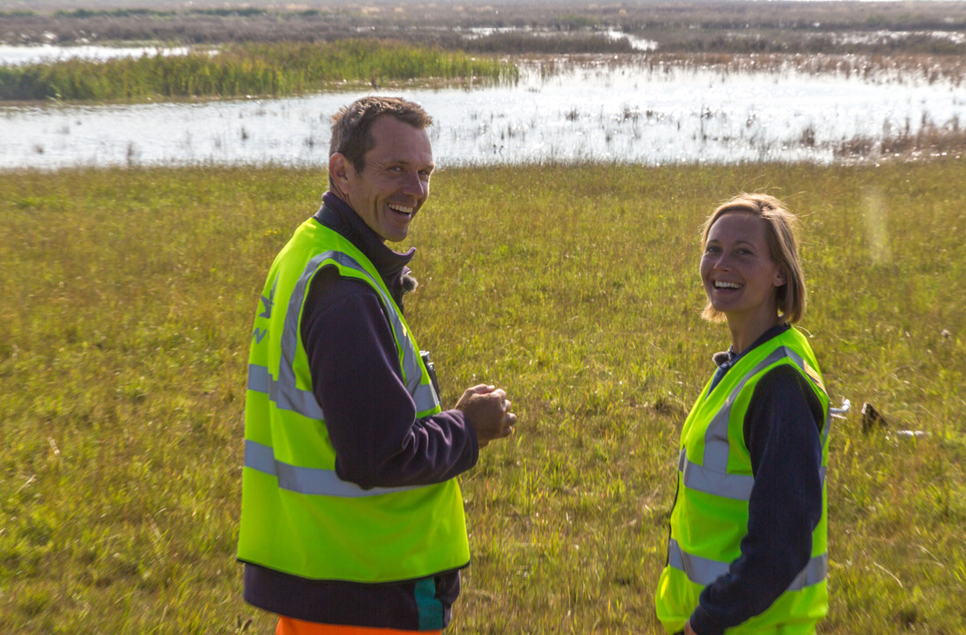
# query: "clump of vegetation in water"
248,69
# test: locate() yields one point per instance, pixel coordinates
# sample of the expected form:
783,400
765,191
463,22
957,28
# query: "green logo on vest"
269,302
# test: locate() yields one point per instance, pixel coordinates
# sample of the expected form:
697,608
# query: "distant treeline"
125,13
562,27
246,69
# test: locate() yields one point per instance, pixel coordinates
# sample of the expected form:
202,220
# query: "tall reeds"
246,69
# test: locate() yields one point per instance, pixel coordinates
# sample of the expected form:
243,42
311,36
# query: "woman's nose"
721,263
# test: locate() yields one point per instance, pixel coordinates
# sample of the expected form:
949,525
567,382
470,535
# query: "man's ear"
339,167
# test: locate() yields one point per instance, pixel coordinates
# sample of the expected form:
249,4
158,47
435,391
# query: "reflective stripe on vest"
294,399
308,480
304,402
284,393
422,394
705,571
701,479
712,477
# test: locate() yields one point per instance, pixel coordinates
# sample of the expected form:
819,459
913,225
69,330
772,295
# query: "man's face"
394,183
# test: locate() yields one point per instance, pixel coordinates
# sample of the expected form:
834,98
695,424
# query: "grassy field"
125,312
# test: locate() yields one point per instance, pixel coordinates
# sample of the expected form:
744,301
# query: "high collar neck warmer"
347,222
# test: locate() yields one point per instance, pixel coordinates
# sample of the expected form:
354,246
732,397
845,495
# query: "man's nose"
416,186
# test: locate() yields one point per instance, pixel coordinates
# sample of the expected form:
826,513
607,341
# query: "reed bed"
248,69
294,68
898,68
928,143
894,69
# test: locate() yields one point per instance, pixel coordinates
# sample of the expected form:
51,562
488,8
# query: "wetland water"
46,53
627,113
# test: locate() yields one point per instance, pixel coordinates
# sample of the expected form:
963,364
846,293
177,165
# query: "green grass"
126,307
246,69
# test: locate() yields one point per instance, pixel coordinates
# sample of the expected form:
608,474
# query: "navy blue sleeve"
369,414
782,433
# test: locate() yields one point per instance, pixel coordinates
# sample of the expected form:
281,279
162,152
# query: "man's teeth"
726,285
402,209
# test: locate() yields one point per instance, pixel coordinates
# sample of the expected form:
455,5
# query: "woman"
747,548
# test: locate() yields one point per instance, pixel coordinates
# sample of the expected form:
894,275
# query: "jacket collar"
728,358
340,217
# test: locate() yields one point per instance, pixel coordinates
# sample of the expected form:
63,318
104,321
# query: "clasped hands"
488,410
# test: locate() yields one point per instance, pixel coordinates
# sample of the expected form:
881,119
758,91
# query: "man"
351,512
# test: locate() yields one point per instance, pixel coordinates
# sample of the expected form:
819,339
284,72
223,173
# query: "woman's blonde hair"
780,227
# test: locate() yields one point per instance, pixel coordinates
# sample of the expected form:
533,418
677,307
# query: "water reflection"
636,43
624,113
48,53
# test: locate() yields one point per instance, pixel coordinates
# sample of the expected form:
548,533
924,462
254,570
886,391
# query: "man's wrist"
701,623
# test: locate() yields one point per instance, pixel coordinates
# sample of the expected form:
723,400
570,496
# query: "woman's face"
738,273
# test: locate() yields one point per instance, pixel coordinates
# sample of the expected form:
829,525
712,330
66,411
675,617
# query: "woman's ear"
780,278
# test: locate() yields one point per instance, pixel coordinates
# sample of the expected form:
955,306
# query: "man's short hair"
350,126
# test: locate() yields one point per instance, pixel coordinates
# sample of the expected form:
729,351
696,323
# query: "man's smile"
401,209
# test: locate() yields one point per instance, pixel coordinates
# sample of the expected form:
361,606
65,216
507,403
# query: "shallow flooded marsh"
558,111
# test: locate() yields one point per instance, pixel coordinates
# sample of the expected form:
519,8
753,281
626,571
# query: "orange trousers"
289,626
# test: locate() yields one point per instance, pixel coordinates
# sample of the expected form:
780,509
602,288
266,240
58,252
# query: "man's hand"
688,630
488,411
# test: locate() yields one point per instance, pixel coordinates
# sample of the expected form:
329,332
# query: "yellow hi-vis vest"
297,516
710,515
